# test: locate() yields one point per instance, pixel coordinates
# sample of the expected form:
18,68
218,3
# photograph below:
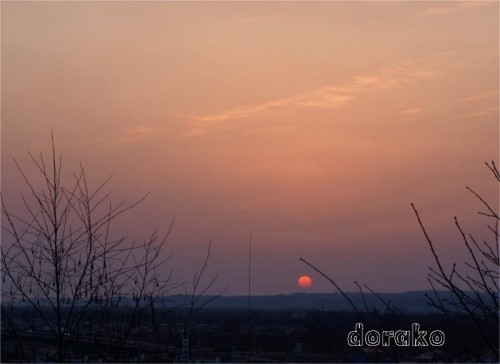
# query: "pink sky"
311,125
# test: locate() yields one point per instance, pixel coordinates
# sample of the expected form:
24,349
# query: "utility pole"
250,347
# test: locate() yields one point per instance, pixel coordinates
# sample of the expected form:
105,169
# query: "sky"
310,125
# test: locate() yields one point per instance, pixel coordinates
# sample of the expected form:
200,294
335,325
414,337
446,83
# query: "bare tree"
467,297
195,301
363,314
473,287
61,260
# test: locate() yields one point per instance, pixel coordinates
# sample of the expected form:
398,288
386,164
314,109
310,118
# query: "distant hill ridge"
415,301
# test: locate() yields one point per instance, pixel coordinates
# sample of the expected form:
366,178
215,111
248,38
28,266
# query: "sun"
304,282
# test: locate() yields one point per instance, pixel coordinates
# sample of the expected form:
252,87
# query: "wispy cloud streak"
410,111
481,96
328,97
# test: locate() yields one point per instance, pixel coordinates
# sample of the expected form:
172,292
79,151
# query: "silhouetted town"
224,334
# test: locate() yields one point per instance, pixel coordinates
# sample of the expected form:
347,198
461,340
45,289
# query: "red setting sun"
304,282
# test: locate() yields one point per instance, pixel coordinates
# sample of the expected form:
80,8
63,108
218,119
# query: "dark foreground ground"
235,335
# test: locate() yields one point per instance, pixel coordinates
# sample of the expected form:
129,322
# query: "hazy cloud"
485,102
410,111
456,6
483,112
133,134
